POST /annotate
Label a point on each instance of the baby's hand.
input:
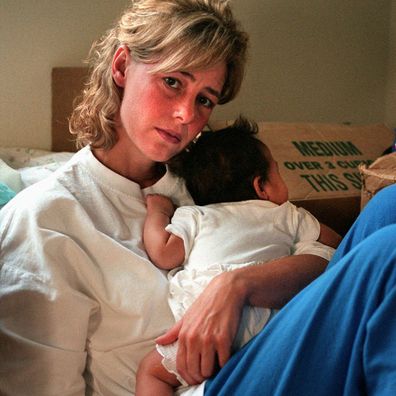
(160, 203)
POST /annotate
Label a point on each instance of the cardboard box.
(381, 173)
(320, 164)
(66, 84)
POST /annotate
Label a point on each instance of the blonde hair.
(173, 35)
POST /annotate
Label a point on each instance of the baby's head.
(230, 165)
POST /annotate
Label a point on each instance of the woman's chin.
(164, 156)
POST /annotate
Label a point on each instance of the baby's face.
(275, 182)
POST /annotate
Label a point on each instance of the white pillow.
(10, 177)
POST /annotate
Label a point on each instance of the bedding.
(21, 167)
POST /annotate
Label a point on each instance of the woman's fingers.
(171, 335)
(188, 362)
(208, 330)
(208, 361)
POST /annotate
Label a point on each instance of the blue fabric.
(6, 194)
(338, 336)
(379, 212)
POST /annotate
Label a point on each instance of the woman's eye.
(206, 102)
(172, 82)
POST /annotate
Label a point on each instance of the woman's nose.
(185, 110)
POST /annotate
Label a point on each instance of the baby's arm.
(329, 237)
(165, 250)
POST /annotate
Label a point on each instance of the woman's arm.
(165, 250)
(207, 330)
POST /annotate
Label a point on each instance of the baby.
(242, 217)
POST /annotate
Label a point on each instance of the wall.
(37, 35)
(316, 60)
(310, 60)
(390, 101)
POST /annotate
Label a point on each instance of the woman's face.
(162, 112)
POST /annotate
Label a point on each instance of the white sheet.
(22, 166)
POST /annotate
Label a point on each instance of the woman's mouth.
(169, 136)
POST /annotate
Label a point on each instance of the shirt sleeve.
(184, 224)
(307, 234)
(39, 355)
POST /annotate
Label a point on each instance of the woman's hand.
(207, 329)
(209, 326)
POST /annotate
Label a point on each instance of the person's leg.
(153, 379)
(336, 337)
(379, 212)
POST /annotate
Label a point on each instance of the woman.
(80, 303)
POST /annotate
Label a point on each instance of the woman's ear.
(118, 66)
(260, 188)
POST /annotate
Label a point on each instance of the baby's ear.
(260, 187)
(118, 65)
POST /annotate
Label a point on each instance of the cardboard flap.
(320, 161)
(67, 84)
(381, 173)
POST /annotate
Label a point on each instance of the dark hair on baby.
(221, 165)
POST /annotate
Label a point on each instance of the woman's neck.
(144, 173)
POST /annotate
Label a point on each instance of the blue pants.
(337, 336)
